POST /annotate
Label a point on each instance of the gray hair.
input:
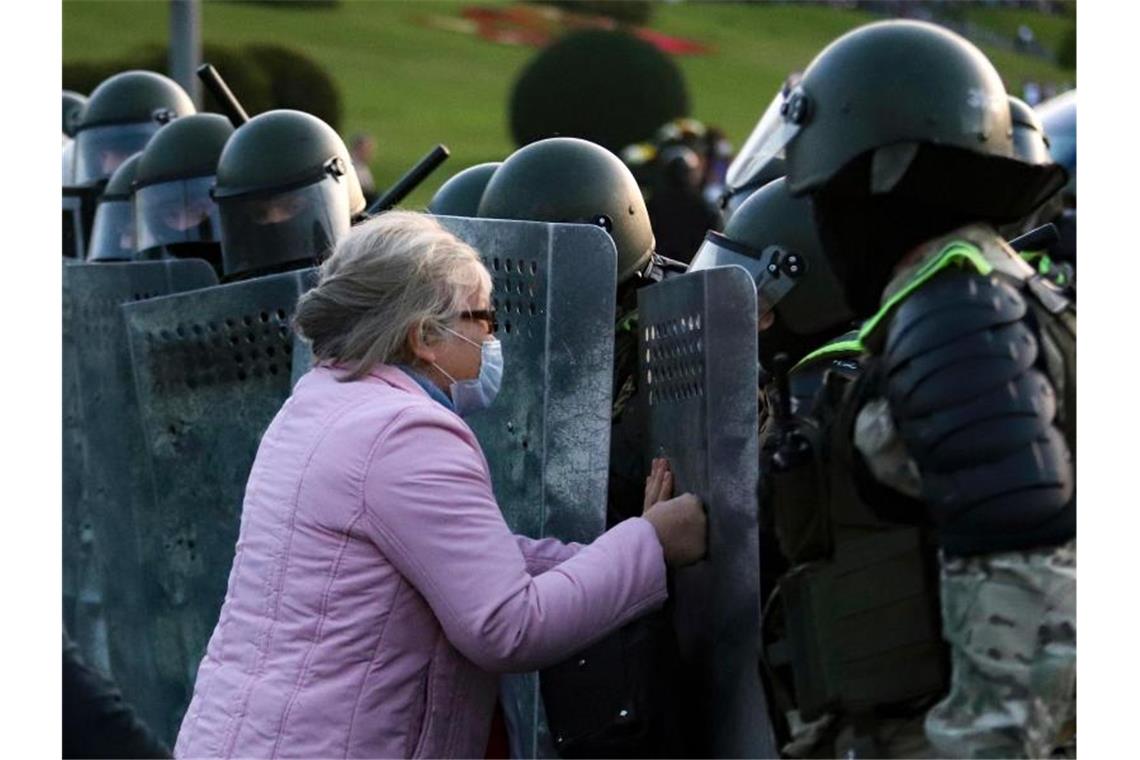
(398, 271)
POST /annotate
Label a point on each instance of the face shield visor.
(113, 234)
(100, 150)
(775, 270)
(179, 211)
(270, 230)
(778, 126)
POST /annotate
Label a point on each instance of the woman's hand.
(659, 484)
(681, 524)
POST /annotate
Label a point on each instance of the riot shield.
(699, 370)
(101, 559)
(211, 369)
(75, 554)
(547, 435)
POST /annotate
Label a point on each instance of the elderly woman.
(376, 591)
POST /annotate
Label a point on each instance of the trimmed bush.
(607, 87)
(263, 77)
(297, 81)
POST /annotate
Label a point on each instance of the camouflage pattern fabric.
(1010, 621)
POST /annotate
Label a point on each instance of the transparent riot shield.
(211, 369)
(101, 558)
(547, 435)
(699, 371)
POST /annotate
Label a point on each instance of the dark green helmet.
(119, 119)
(886, 90)
(113, 233)
(773, 236)
(460, 195)
(73, 104)
(565, 179)
(286, 190)
(1030, 143)
(176, 215)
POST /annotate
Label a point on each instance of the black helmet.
(73, 104)
(773, 236)
(565, 179)
(286, 191)
(175, 214)
(901, 130)
(119, 119)
(460, 195)
(885, 90)
(113, 234)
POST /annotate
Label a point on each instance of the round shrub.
(297, 81)
(607, 87)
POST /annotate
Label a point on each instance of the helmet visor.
(100, 150)
(766, 143)
(180, 211)
(113, 234)
(775, 270)
(268, 230)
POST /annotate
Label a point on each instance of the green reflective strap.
(628, 323)
(959, 253)
(853, 346)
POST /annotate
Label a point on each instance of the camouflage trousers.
(1010, 621)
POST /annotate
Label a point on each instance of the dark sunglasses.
(487, 315)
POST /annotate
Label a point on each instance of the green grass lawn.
(412, 86)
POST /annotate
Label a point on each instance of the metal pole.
(186, 46)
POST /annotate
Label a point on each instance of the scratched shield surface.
(699, 369)
(211, 369)
(547, 436)
(101, 555)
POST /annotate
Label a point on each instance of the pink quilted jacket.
(376, 591)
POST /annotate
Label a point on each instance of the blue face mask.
(472, 395)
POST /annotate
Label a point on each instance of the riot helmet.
(566, 179)
(773, 236)
(73, 104)
(286, 191)
(120, 117)
(901, 131)
(113, 234)
(175, 214)
(460, 195)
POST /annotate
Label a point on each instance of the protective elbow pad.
(976, 414)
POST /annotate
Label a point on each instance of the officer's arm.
(963, 378)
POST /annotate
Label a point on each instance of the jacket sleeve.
(541, 554)
(428, 501)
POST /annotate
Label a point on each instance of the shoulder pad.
(952, 304)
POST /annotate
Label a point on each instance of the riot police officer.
(120, 117)
(286, 191)
(565, 179)
(175, 215)
(570, 180)
(461, 194)
(964, 415)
